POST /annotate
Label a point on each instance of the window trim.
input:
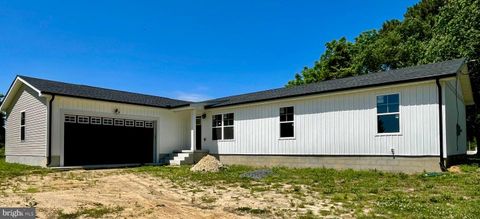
(149, 124)
(95, 120)
(24, 126)
(399, 115)
(129, 123)
(67, 118)
(83, 119)
(222, 127)
(107, 121)
(119, 122)
(139, 124)
(280, 122)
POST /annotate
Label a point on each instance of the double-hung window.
(222, 126)
(22, 126)
(388, 114)
(287, 126)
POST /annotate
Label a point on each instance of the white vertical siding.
(455, 112)
(334, 124)
(172, 127)
(35, 125)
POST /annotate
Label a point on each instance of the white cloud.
(195, 97)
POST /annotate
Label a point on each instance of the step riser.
(177, 159)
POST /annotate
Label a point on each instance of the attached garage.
(90, 140)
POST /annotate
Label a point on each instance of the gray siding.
(35, 130)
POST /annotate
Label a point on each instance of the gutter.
(49, 156)
(440, 123)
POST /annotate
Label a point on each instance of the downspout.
(49, 156)
(440, 123)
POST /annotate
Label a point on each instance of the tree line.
(430, 31)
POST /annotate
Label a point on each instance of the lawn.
(303, 192)
(9, 170)
(362, 193)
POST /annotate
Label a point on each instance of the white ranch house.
(410, 119)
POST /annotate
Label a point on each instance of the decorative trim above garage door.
(95, 120)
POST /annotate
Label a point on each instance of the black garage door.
(101, 140)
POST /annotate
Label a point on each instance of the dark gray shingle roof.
(414, 73)
(75, 90)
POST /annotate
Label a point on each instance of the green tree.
(457, 34)
(431, 31)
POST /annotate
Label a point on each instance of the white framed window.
(129, 123)
(119, 122)
(95, 120)
(22, 125)
(139, 124)
(107, 121)
(83, 119)
(70, 119)
(149, 124)
(287, 122)
(223, 126)
(388, 113)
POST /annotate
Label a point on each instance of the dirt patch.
(133, 195)
(120, 193)
(207, 164)
(454, 169)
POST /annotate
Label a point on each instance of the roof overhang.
(14, 88)
(466, 85)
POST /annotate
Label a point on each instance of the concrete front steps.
(183, 157)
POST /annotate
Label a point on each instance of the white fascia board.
(11, 93)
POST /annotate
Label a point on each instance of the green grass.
(395, 195)
(99, 211)
(10, 170)
(252, 210)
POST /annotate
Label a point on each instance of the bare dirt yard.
(120, 193)
(177, 192)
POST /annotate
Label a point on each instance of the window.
(228, 126)
(107, 121)
(119, 122)
(129, 123)
(70, 119)
(95, 120)
(149, 124)
(388, 113)
(217, 127)
(22, 127)
(223, 126)
(139, 124)
(287, 127)
(83, 119)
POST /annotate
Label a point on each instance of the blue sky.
(179, 49)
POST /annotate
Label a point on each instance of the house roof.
(402, 75)
(83, 91)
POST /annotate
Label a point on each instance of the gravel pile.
(207, 164)
(257, 174)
